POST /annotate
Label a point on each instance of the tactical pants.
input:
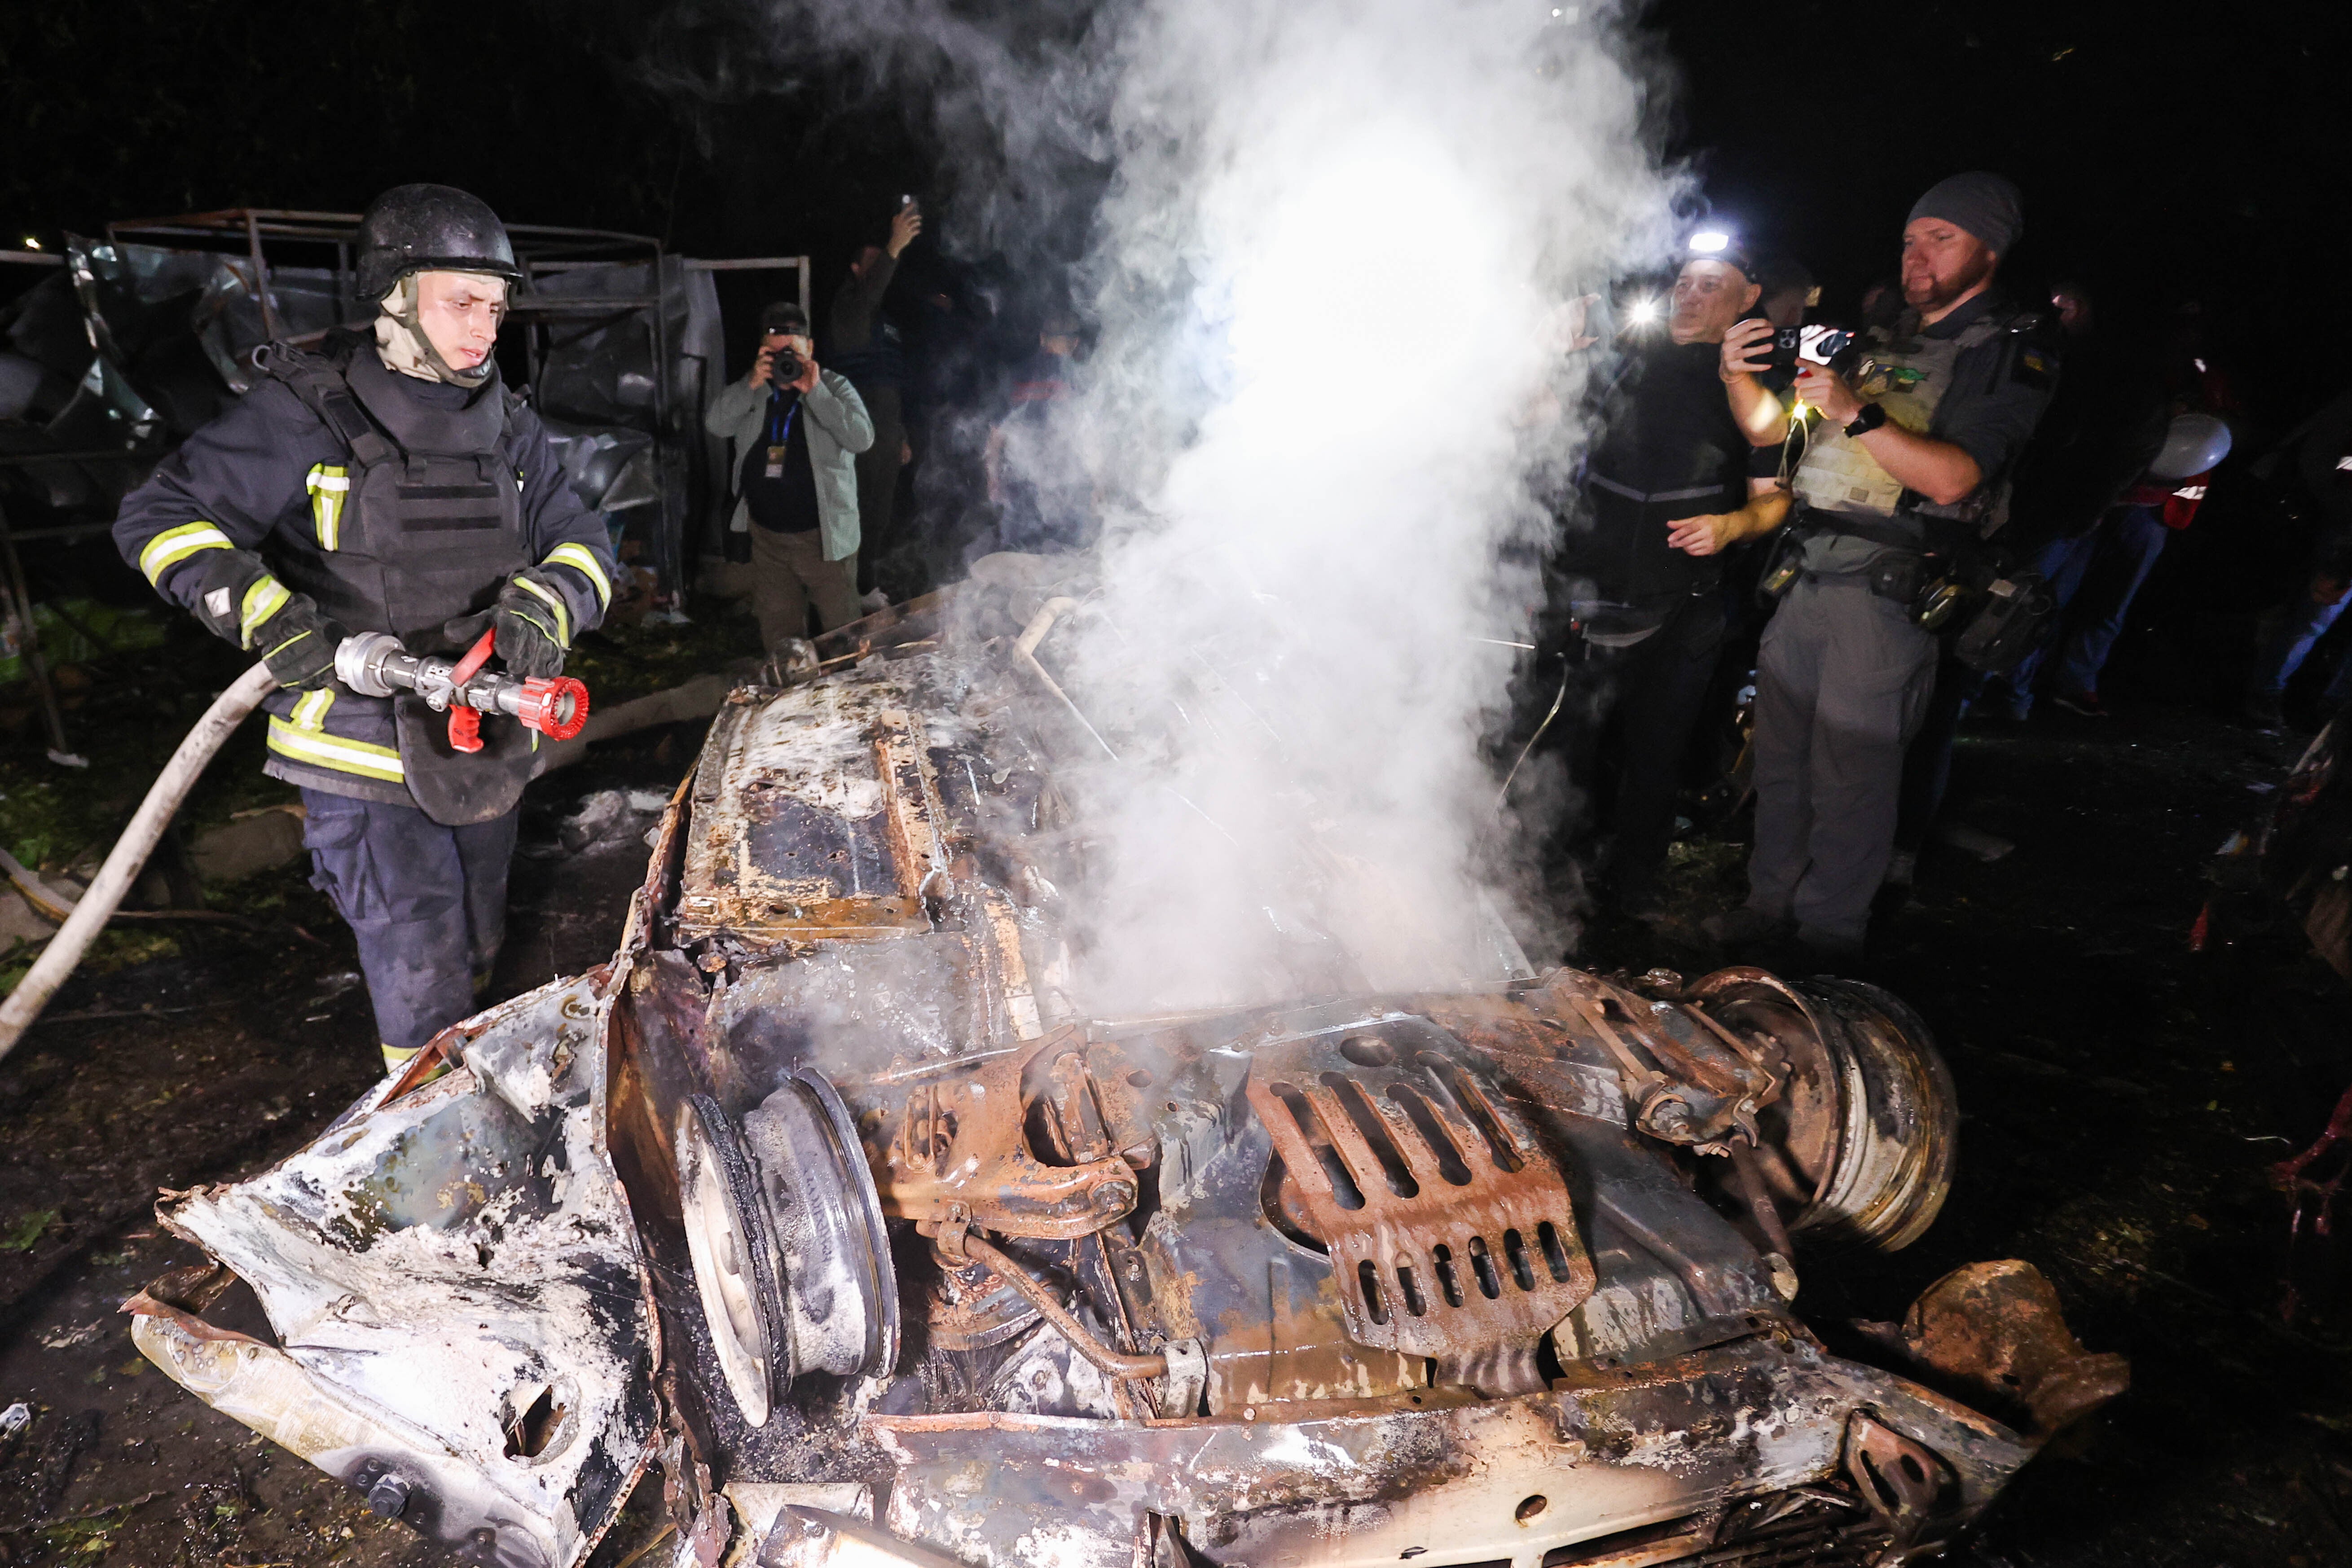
(1841, 682)
(429, 904)
(789, 571)
(1654, 690)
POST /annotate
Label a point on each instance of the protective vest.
(429, 532)
(1907, 376)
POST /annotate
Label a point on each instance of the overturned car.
(826, 1197)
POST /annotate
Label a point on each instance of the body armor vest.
(431, 531)
(1907, 376)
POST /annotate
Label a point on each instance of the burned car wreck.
(825, 1197)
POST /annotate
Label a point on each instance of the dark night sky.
(2194, 150)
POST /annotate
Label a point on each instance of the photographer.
(1675, 480)
(1904, 474)
(796, 432)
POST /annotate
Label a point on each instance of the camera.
(786, 366)
(1832, 346)
(1835, 347)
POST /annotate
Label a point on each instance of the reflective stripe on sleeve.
(310, 708)
(324, 751)
(263, 599)
(554, 602)
(582, 559)
(329, 484)
(174, 545)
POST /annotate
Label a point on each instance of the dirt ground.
(2121, 1099)
(233, 1047)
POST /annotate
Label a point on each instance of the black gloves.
(533, 626)
(298, 644)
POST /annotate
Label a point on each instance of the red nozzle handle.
(475, 657)
(556, 706)
(464, 725)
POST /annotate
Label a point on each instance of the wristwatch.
(1868, 419)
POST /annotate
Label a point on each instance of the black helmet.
(430, 228)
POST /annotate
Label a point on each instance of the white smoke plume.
(1355, 222)
(1327, 390)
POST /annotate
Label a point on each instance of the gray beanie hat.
(1985, 204)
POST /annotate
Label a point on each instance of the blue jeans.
(2299, 631)
(2095, 577)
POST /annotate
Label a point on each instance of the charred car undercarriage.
(826, 1197)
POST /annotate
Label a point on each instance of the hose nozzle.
(557, 706)
(373, 664)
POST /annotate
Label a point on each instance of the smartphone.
(1782, 345)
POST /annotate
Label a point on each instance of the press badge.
(775, 462)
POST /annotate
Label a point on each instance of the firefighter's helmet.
(430, 228)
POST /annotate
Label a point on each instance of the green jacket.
(838, 429)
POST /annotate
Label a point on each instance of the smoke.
(1327, 399)
(1015, 95)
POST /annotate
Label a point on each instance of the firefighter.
(389, 484)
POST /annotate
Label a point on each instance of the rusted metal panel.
(1450, 1233)
(816, 811)
(1508, 1480)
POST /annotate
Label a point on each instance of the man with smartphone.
(865, 346)
(1678, 478)
(795, 432)
(1904, 471)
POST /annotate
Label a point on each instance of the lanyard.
(775, 437)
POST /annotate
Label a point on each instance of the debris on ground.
(260, 839)
(2055, 981)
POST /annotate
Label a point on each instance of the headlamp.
(1719, 245)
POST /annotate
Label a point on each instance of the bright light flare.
(1643, 313)
(1332, 296)
(1354, 350)
(1708, 241)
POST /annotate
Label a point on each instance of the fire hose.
(372, 664)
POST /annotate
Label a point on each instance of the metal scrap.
(1451, 1235)
(1438, 1278)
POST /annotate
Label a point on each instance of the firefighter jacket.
(394, 505)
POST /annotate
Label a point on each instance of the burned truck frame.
(146, 335)
(825, 1196)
